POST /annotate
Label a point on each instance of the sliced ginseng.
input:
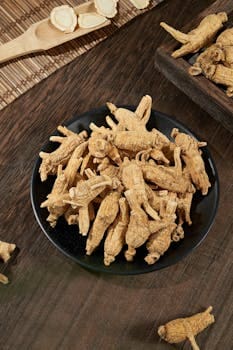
(64, 18)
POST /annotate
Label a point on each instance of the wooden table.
(52, 303)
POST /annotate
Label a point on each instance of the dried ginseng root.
(128, 120)
(90, 20)
(87, 190)
(61, 156)
(153, 153)
(140, 4)
(115, 239)
(3, 279)
(199, 37)
(168, 178)
(71, 216)
(132, 179)
(220, 74)
(159, 243)
(55, 200)
(105, 216)
(106, 8)
(143, 110)
(155, 226)
(64, 18)
(100, 148)
(5, 250)
(181, 329)
(184, 207)
(137, 141)
(138, 229)
(74, 163)
(212, 55)
(226, 37)
(192, 157)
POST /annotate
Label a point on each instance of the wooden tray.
(206, 94)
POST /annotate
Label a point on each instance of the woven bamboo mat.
(19, 75)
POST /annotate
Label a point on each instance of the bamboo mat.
(19, 75)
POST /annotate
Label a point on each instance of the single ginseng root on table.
(125, 185)
(6, 249)
(182, 329)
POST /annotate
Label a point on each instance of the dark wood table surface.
(51, 302)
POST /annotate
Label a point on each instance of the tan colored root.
(166, 178)
(159, 243)
(6, 249)
(155, 226)
(99, 147)
(3, 279)
(156, 198)
(138, 229)
(85, 163)
(220, 74)
(181, 329)
(139, 140)
(115, 239)
(105, 216)
(212, 55)
(71, 216)
(143, 110)
(131, 121)
(155, 154)
(178, 233)
(192, 157)
(87, 190)
(84, 220)
(61, 156)
(226, 37)
(132, 179)
(184, 207)
(55, 200)
(74, 163)
(198, 37)
(168, 208)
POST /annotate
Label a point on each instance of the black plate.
(71, 243)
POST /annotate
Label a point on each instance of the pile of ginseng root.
(124, 184)
(215, 59)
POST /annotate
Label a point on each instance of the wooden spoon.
(43, 35)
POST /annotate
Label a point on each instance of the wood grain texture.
(54, 304)
(211, 97)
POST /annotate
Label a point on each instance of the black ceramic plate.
(71, 243)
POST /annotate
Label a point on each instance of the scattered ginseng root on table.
(6, 249)
(181, 329)
(124, 185)
(215, 60)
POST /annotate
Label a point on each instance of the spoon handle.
(16, 48)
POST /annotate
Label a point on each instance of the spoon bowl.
(43, 35)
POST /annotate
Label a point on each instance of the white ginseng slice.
(64, 18)
(140, 4)
(107, 8)
(90, 20)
